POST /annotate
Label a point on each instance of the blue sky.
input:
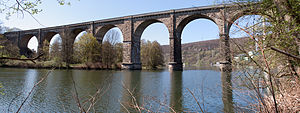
(88, 10)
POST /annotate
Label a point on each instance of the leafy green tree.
(156, 56)
(119, 52)
(151, 54)
(112, 49)
(21, 6)
(1, 89)
(7, 49)
(55, 50)
(55, 54)
(145, 47)
(108, 54)
(45, 50)
(87, 49)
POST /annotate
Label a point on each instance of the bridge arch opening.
(153, 34)
(112, 47)
(79, 36)
(55, 47)
(113, 36)
(51, 45)
(48, 36)
(190, 19)
(76, 53)
(29, 45)
(200, 41)
(105, 31)
(76, 35)
(56, 39)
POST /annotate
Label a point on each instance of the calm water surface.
(154, 90)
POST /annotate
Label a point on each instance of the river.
(157, 91)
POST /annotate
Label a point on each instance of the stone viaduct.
(132, 28)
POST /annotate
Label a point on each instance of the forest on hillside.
(202, 53)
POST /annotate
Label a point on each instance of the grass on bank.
(58, 65)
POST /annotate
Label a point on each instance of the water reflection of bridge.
(161, 90)
(175, 101)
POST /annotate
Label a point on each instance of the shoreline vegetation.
(86, 66)
(51, 65)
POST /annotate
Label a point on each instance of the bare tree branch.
(76, 97)
(35, 85)
(285, 53)
(30, 59)
(24, 9)
(195, 99)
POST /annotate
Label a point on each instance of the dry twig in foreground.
(35, 85)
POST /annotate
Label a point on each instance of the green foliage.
(57, 61)
(55, 54)
(7, 49)
(25, 6)
(151, 54)
(45, 50)
(87, 49)
(111, 52)
(119, 52)
(108, 54)
(23, 57)
(63, 2)
(202, 58)
(1, 89)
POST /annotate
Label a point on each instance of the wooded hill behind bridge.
(203, 53)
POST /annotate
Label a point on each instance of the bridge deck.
(132, 16)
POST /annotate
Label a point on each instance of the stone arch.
(237, 15)
(23, 44)
(48, 36)
(142, 26)
(113, 35)
(100, 32)
(54, 42)
(75, 33)
(25, 40)
(54, 36)
(186, 29)
(189, 19)
(140, 31)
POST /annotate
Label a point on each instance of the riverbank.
(52, 64)
(93, 66)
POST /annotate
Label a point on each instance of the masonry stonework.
(132, 28)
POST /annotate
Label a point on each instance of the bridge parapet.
(52, 29)
(11, 34)
(29, 32)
